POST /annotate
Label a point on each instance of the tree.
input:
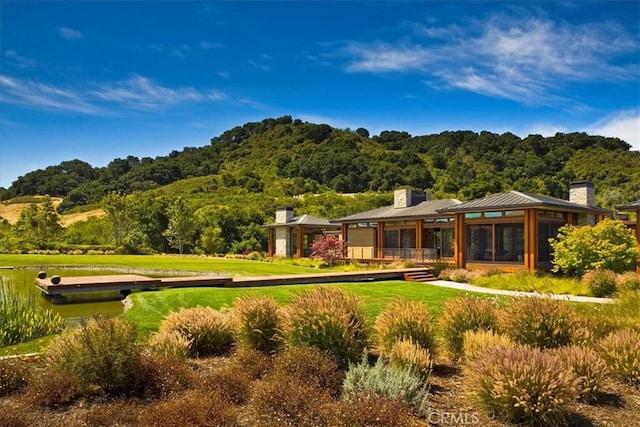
(118, 212)
(329, 249)
(39, 226)
(607, 245)
(182, 225)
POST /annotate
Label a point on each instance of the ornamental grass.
(257, 320)
(169, 344)
(463, 314)
(405, 320)
(406, 354)
(621, 353)
(522, 385)
(477, 342)
(329, 319)
(587, 366)
(209, 331)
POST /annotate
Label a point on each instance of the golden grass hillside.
(11, 209)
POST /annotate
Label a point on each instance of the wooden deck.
(125, 283)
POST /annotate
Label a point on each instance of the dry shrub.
(14, 375)
(253, 363)
(407, 354)
(463, 314)
(101, 352)
(169, 344)
(522, 384)
(162, 376)
(538, 321)
(54, 389)
(312, 366)
(405, 320)
(330, 320)
(257, 321)
(477, 342)
(209, 330)
(587, 366)
(14, 417)
(111, 414)
(628, 281)
(280, 401)
(371, 412)
(459, 275)
(193, 408)
(231, 382)
(602, 283)
(621, 352)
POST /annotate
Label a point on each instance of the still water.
(22, 281)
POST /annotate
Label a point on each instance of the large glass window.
(391, 238)
(447, 242)
(546, 230)
(495, 242)
(479, 242)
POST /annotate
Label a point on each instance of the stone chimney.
(582, 193)
(406, 198)
(284, 215)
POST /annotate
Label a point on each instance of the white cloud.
(624, 125)
(19, 61)
(69, 33)
(384, 58)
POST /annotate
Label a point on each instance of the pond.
(22, 281)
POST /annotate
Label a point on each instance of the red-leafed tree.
(329, 249)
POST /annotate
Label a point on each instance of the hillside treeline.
(285, 157)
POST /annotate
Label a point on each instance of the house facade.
(509, 231)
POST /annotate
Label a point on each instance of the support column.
(272, 242)
(344, 231)
(380, 251)
(531, 239)
(459, 241)
(419, 251)
(300, 240)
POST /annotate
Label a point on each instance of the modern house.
(635, 227)
(509, 231)
(292, 236)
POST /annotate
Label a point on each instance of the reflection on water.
(22, 281)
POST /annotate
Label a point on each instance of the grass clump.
(405, 320)
(602, 283)
(409, 355)
(477, 342)
(459, 275)
(384, 381)
(257, 321)
(231, 382)
(463, 314)
(628, 281)
(621, 353)
(526, 281)
(14, 376)
(209, 331)
(312, 366)
(169, 344)
(522, 385)
(330, 320)
(22, 319)
(102, 352)
(587, 366)
(253, 363)
(538, 321)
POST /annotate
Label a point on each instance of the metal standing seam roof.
(517, 199)
(304, 220)
(421, 210)
(630, 206)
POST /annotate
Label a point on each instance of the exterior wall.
(283, 246)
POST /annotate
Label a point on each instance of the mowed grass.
(233, 267)
(530, 282)
(149, 308)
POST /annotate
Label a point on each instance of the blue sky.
(102, 80)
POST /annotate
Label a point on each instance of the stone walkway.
(471, 288)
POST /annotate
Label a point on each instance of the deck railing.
(422, 255)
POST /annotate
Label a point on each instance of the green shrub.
(628, 281)
(587, 366)
(522, 385)
(209, 330)
(22, 319)
(329, 319)
(257, 322)
(14, 376)
(405, 320)
(384, 381)
(371, 412)
(538, 321)
(312, 366)
(621, 352)
(409, 355)
(101, 352)
(463, 314)
(193, 408)
(602, 283)
(477, 342)
(169, 344)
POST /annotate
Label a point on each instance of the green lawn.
(149, 308)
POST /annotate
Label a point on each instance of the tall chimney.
(405, 198)
(582, 193)
(284, 215)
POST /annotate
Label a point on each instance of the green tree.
(118, 212)
(607, 245)
(182, 225)
(211, 240)
(39, 225)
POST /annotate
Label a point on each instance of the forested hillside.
(285, 157)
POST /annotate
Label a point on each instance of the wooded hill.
(268, 162)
